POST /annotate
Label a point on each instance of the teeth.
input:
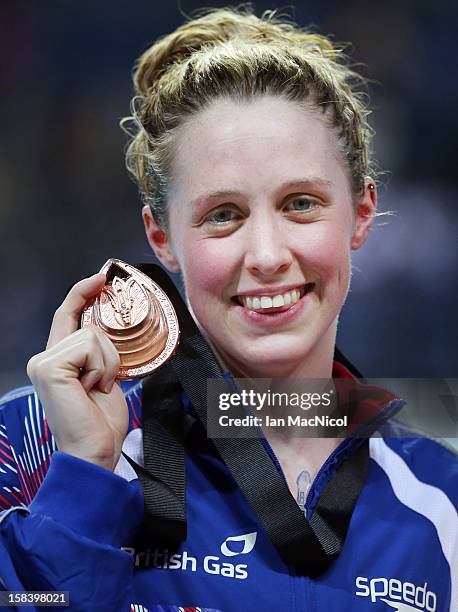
(274, 301)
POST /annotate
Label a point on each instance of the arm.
(69, 537)
(80, 513)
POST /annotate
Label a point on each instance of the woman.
(250, 146)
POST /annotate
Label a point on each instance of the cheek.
(326, 251)
(207, 269)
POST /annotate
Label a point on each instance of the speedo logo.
(398, 595)
(211, 564)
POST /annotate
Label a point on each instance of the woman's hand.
(75, 381)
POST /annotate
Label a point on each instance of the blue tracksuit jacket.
(69, 525)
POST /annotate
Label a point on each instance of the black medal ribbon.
(310, 546)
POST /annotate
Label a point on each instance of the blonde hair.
(232, 53)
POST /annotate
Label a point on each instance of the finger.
(66, 360)
(98, 374)
(90, 356)
(79, 356)
(93, 371)
(111, 361)
(67, 316)
(69, 359)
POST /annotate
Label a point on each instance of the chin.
(268, 363)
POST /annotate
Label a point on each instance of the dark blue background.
(66, 203)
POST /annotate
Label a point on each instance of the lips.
(267, 303)
(275, 317)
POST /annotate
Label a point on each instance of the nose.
(266, 252)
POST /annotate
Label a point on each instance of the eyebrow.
(306, 183)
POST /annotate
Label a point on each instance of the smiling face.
(262, 221)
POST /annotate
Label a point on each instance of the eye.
(221, 216)
(303, 205)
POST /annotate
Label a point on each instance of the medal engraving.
(137, 316)
(123, 304)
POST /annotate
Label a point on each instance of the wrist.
(100, 458)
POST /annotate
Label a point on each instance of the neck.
(299, 457)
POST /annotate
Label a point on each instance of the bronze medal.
(137, 316)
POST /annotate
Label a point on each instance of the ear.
(159, 241)
(365, 209)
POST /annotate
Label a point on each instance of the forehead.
(232, 144)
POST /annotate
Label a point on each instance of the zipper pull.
(303, 483)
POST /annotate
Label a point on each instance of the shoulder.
(15, 395)
(16, 409)
(23, 419)
(26, 441)
(414, 462)
(22, 399)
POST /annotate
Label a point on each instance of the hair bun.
(213, 27)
